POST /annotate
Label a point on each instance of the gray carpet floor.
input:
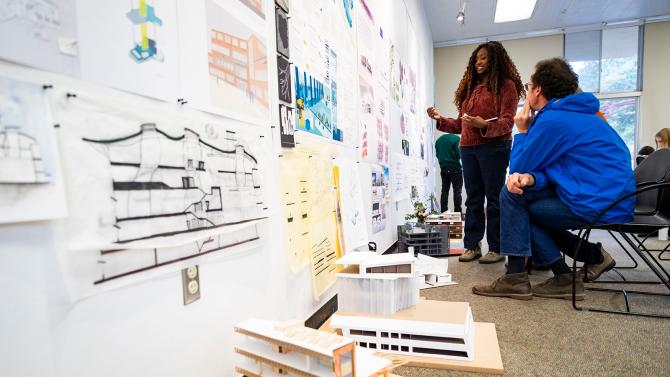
(547, 337)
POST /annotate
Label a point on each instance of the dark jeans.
(484, 169)
(453, 178)
(536, 224)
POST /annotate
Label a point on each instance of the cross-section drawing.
(165, 185)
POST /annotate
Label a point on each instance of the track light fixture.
(460, 17)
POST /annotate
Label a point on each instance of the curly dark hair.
(500, 68)
(556, 78)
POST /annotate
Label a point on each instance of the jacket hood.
(580, 103)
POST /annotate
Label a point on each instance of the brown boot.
(491, 257)
(471, 254)
(593, 271)
(516, 286)
(560, 286)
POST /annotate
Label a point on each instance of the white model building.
(274, 349)
(380, 284)
(433, 270)
(437, 329)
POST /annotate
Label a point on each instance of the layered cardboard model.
(274, 349)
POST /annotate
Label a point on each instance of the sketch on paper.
(165, 184)
(145, 24)
(287, 126)
(380, 185)
(348, 6)
(295, 198)
(313, 110)
(238, 64)
(367, 116)
(412, 91)
(256, 6)
(30, 188)
(283, 4)
(284, 79)
(394, 86)
(350, 200)
(282, 33)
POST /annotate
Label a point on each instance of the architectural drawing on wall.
(313, 111)
(348, 6)
(32, 31)
(295, 204)
(165, 185)
(367, 115)
(30, 187)
(20, 157)
(283, 4)
(283, 46)
(412, 91)
(380, 185)
(238, 64)
(354, 231)
(382, 128)
(286, 126)
(145, 25)
(284, 79)
(256, 6)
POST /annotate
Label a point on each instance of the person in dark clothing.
(486, 98)
(449, 156)
(643, 153)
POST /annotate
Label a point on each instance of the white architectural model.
(372, 283)
(431, 329)
(20, 158)
(272, 349)
(433, 270)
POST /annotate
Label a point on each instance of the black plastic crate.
(426, 239)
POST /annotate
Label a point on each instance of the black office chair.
(652, 213)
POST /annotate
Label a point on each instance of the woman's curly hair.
(500, 68)
(555, 77)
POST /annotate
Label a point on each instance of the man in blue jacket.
(567, 164)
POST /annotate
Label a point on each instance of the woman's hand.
(433, 113)
(475, 121)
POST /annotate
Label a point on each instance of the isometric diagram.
(42, 13)
(20, 158)
(164, 185)
(145, 26)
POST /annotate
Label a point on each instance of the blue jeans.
(484, 168)
(536, 224)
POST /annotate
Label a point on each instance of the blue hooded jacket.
(568, 146)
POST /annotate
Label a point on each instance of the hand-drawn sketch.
(238, 63)
(286, 126)
(380, 195)
(283, 46)
(145, 23)
(30, 184)
(170, 184)
(354, 231)
(284, 79)
(40, 33)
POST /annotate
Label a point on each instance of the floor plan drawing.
(170, 184)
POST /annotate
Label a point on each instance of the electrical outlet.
(190, 279)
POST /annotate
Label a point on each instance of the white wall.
(144, 329)
(655, 82)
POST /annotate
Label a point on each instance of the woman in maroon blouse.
(486, 99)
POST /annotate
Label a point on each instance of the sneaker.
(491, 257)
(471, 254)
(516, 286)
(560, 286)
(593, 271)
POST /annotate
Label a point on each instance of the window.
(201, 165)
(608, 64)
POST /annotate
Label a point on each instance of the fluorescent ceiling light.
(514, 10)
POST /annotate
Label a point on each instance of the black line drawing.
(283, 45)
(165, 185)
(20, 158)
(284, 79)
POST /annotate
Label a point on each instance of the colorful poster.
(380, 196)
(31, 187)
(313, 108)
(237, 61)
(130, 45)
(153, 187)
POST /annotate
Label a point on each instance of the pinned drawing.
(30, 185)
(295, 199)
(284, 79)
(282, 33)
(145, 24)
(350, 198)
(286, 126)
(257, 6)
(313, 111)
(380, 195)
(238, 64)
(283, 4)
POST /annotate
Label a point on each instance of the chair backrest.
(654, 169)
